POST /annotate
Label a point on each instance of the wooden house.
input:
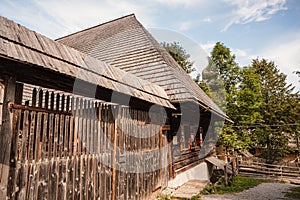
(124, 43)
(78, 119)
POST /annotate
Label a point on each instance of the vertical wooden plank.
(51, 120)
(22, 181)
(116, 111)
(76, 124)
(6, 134)
(84, 137)
(77, 175)
(34, 179)
(67, 136)
(103, 178)
(88, 128)
(43, 180)
(25, 133)
(45, 137)
(82, 177)
(55, 135)
(91, 175)
(87, 176)
(31, 138)
(62, 179)
(38, 144)
(61, 135)
(70, 178)
(53, 179)
(80, 130)
(98, 167)
(71, 134)
(14, 154)
(100, 129)
(96, 176)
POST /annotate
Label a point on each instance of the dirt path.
(266, 191)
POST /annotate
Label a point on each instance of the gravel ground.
(265, 191)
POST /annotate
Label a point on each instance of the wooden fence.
(254, 168)
(231, 169)
(72, 148)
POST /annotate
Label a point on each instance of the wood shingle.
(126, 44)
(39, 52)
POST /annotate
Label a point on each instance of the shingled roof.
(24, 46)
(126, 44)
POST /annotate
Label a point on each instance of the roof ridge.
(96, 26)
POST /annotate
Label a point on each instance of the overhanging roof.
(37, 51)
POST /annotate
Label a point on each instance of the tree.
(183, 59)
(180, 56)
(228, 69)
(212, 78)
(249, 98)
(275, 110)
(202, 84)
(222, 75)
(249, 101)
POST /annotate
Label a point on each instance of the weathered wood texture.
(124, 43)
(248, 167)
(6, 134)
(37, 52)
(73, 148)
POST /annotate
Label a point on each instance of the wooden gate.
(73, 148)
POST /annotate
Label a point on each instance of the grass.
(238, 184)
(294, 193)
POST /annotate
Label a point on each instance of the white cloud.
(185, 25)
(239, 52)
(254, 10)
(207, 19)
(208, 46)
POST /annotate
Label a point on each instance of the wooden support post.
(226, 175)
(6, 134)
(237, 165)
(114, 154)
(233, 167)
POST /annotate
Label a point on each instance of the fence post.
(225, 175)
(237, 165)
(6, 134)
(233, 167)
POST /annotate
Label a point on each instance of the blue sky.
(250, 28)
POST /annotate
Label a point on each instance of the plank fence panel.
(66, 147)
